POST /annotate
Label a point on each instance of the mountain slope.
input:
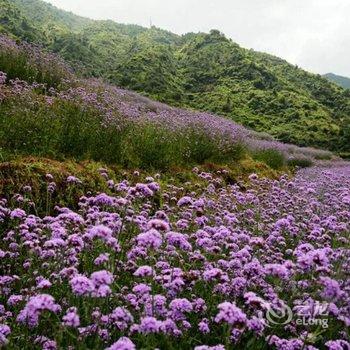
(344, 82)
(46, 15)
(261, 91)
(200, 71)
(13, 23)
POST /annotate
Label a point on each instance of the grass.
(301, 162)
(273, 158)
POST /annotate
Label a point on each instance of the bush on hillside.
(299, 161)
(272, 157)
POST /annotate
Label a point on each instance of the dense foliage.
(201, 71)
(12, 22)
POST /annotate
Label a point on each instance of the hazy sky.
(315, 34)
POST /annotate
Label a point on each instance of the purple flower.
(257, 325)
(277, 270)
(5, 330)
(203, 326)
(51, 187)
(73, 180)
(121, 318)
(81, 285)
(17, 214)
(101, 259)
(144, 271)
(179, 307)
(141, 288)
(102, 291)
(184, 201)
(27, 189)
(151, 239)
(337, 345)
(3, 78)
(99, 231)
(123, 343)
(44, 284)
(144, 190)
(71, 318)
(231, 314)
(159, 225)
(102, 277)
(49, 345)
(255, 301)
(14, 300)
(211, 274)
(178, 240)
(35, 306)
(331, 290)
(149, 325)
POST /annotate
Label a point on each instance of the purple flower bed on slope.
(96, 108)
(217, 267)
(31, 63)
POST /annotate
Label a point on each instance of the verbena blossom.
(5, 330)
(71, 318)
(231, 314)
(35, 306)
(81, 285)
(122, 343)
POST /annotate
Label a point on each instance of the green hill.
(344, 82)
(13, 23)
(204, 71)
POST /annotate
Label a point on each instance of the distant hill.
(338, 79)
(203, 71)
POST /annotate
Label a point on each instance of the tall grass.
(68, 129)
(299, 161)
(272, 157)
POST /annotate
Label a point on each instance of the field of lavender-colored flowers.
(208, 266)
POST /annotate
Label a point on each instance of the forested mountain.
(338, 79)
(204, 71)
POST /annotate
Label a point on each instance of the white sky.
(315, 34)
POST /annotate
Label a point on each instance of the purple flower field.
(154, 266)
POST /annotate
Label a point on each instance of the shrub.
(299, 161)
(272, 157)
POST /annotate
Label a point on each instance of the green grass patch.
(301, 162)
(273, 158)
